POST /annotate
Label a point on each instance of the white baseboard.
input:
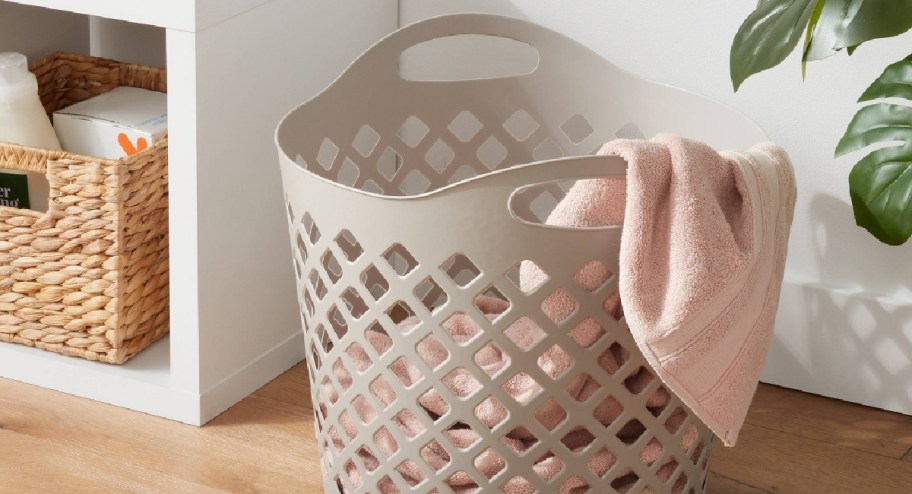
(252, 377)
(843, 343)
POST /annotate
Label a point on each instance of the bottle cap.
(15, 78)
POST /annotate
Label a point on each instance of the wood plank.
(29, 464)
(783, 463)
(240, 457)
(719, 484)
(831, 421)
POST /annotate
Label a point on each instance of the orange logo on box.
(128, 147)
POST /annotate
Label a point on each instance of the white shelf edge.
(142, 384)
(181, 15)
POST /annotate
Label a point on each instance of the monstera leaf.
(767, 36)
(881, 183)
(845, 24)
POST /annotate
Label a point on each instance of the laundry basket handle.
(383, 57)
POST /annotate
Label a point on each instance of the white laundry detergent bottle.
(23, 121)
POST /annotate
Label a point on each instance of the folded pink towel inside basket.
(701, 263)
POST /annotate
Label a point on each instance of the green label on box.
(14, 190)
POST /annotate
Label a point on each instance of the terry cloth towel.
(490, 413)
(701, 263)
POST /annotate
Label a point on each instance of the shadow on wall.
(846, 342)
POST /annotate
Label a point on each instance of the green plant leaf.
(880, 184)
(849, 23)
(808, 36)
(767, 36)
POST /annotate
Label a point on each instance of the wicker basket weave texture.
(89, 278)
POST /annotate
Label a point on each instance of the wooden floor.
(54, 443)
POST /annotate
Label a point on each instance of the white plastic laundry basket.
(406, 201)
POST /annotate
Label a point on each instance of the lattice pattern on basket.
(422, 368)
(419, 158)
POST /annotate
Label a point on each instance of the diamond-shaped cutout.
(435, 455)
(461, 328)
(559, 306)
(489, 463)
(542, 205)
(406, 372)
(493, 301)
(354, 474)
(460, 269)
(659, 400)
(378, 338)
(524, 333)
(601, 462)
(675, 420)
(332, 267)
(337, 440)
(398, 312)
(630, 131)
(578, 439)
(386, 484)
(613, 358)
(432, 351)
(491, 359)
(326, 155)
(354, 303)
(464, 172)
(349, 245)
(651, 452)
(631, 431)
(667, 470)
(389, 164)
(625, 482)
(413, 131)
(521, 125)
(518, 485)
(547, 150)
(520, 439)
(592, 276)
(461, 382)
(400, 259)
(461, 436)
(434, 404)
(385, 441)
(577, 128)
(330, 391)
(311, 231)
(549, 466)
(348, 173)
(365, 411)
(375, 283)
(527, 276)
(698, 451)
(409, 424)
(439, 156)
(373, 187)
(342, 375)
(582, 387)
(411, 473)
(382, 390)
(308, 303)
(637, 381)
(432, 297)
(302, 247)
(369, 458)
(463, 478)
(492, 153)
(366, 140)
(491, 412)
(522, 387)
(337, 322)
(555, 362)
(347, 424)
(465, 126)
(414, 183)
(321, 339)
(316, 282)
(608, 411)
(550, 414)
(587, 333)
(574, 484)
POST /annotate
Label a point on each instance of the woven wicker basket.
(89, 278)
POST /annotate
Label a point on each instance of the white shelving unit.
(234, 68)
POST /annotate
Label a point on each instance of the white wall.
(844, 328)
